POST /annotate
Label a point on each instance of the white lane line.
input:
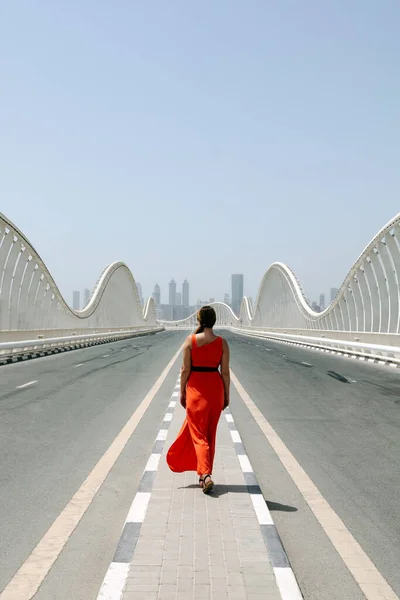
(80, 365)
(235, 437)
(137, 511)
(172, 404)
(229, 418)
(306, 364)
(31, 574)
(105, 355)
(261, 509)
(153, 462)
(245, 463)
(287, 583)
(175, 395)
(25, 385)
(161, 437)
(168, 417)
(114, 583)
(356, 560)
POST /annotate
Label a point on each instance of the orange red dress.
(194, 448)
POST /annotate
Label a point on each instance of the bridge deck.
(180, 544)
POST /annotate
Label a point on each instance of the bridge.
(307, 468)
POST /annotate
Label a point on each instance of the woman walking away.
(204, 394)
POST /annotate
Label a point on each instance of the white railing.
(367, 302)
(31, 300)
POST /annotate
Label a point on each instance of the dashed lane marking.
(115, 580)
(27, 580)
(285, 579)
(369, 579)
(25, 385)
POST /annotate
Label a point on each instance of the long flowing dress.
(194, 448)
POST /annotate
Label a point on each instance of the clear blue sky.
(197, 139)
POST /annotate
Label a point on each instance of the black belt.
(204, 369)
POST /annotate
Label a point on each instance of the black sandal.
(201, 482)
(207, 487)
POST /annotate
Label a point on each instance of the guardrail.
(18, 349)
(353, 345)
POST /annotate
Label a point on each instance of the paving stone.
(197, 547)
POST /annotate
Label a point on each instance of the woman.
(204, 394)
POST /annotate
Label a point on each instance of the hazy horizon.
(197, 141)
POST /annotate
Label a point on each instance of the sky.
(200, 139)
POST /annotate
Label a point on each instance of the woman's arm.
(186, 368)
(225, 372)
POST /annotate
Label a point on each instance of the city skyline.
(80, 299)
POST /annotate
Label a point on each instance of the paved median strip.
(285, 578)
(116, 576)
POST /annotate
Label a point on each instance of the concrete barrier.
(17, 349)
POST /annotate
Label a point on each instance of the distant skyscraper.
(237, 292)
(172, 293)
(76, 302)
(322, 301)
(185, 293)
(139, 289)
(178, 298)
(226, 299)
(157, 295)
(211, 300)
(334, 292)
(315, 307)
(86, 296)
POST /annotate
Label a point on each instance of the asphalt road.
(345, 436)
(53, 432)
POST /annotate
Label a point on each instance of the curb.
(114, 582)
(23, 357)
(284, 575)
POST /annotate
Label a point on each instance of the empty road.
(339, 418)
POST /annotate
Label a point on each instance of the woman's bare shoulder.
(224, 343)
(188, 342)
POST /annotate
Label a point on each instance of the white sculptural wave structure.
(30, 299)
(368, 300)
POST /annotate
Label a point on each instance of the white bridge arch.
(225, 318)
(368, 300)
(30, 299)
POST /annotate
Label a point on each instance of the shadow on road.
(220, 490)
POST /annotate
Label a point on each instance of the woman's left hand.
(183, 399)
